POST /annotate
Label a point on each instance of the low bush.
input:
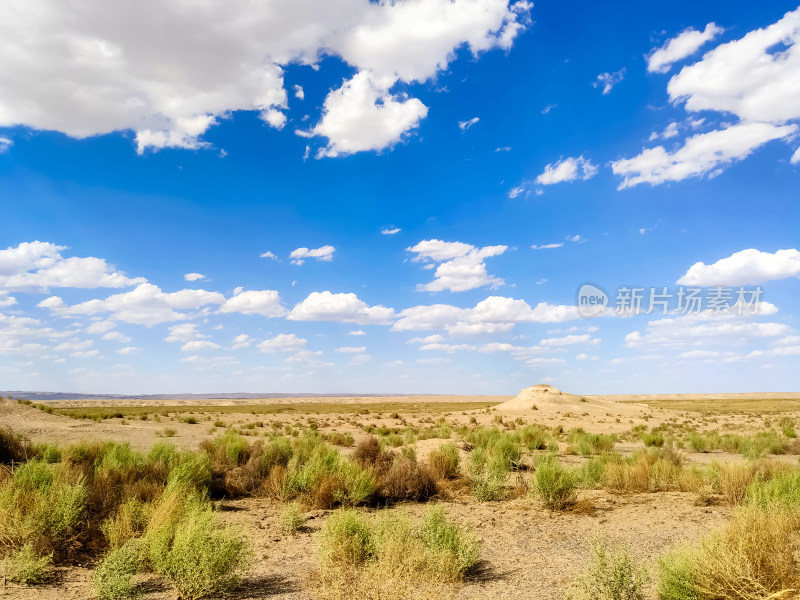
(26, 566)
(292, 518)
(444, 462)
(612, 575)
(113, 578)
(13, 447)
(554, 485)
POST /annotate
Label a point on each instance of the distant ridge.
(44, 396)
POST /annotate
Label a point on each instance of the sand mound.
(552, 403)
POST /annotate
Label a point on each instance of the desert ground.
(527, 550)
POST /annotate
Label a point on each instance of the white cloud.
(305, 357)
(299, 93)
(266, 303)
(670, 131)
(143, 67)
(116, 336)
(283, 342)
(608, 80)
(464, 125)
(795, 157)
(129, 350)
(390, 230)
(461, 265)
(360, 359)
(36, 266)
(700, 154)
(782, 351)
(100, 327)
(342, 308)
(567, 169)
(242, 341)
(449, 348)
(516, 191)
(324, 253)
(569, 340)
(363, 115)
(684, 44)
(144, 305)
(492, 315)
(754, 78)
(574, 238)
(196, 345)
(185, 332)
(745, 267)
(352, 349)
(547, 246)
(706, 328)
(5, 144)
(357, 332)
(194, 276)
(268, 254)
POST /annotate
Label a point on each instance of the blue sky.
(404, 198)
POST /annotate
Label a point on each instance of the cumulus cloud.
(37, 266)
(795, 157)
(196, 345)
(129, 350)
(144, 305)
(324, 253)
(461, 266)
(143, 67)
(283, 342)
(608, 80)
(492, 315)
(6, 300)
(242, 341)
(342, 308)
(567, 169)
(268, 254)
(194, 276)
(684, 44)
(745, 267)
(266, 303)
(754, 78)
(185, 332)
(116, 336)
(362, 115)
(700, 154)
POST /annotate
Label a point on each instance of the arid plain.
(649, 473)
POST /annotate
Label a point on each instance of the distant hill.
(44, 396)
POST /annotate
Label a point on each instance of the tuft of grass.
(612, 575)
(391, 556)
(14, 448)
(554, 485)
(444, 462)
(26, 566)
(292, 518)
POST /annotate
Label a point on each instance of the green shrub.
(444, 461)
(292, 518)
(26, 566)
(612, 575)
(451, 550)
(653, 439)
(781, 490)
(553, 484)
(199, 557)
(113, 577)
(346, 540)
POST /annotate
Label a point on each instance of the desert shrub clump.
(554, 485)
(612, 575)
(391, 556)
(755, 556)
